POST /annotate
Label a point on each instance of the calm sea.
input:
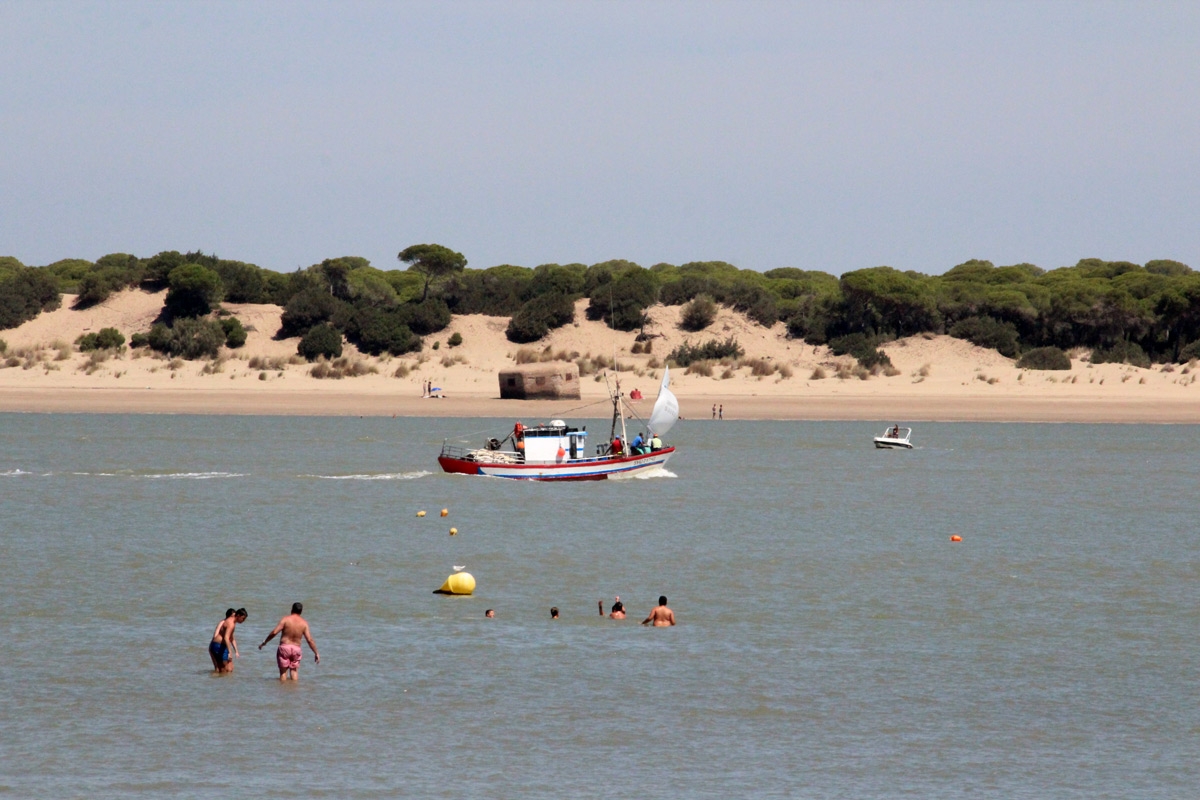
(832, 642)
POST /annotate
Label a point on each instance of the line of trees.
(1122, 311)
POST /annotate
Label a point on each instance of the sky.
(826, 136)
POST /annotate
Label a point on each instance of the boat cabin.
(554, 443)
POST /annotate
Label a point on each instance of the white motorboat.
(894, 438)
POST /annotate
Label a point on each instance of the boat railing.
(456, 451)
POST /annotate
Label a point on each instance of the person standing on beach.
(662, 616)
(721, 412)
(714, 410)
(292, 628)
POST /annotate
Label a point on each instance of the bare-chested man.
(662, 616)
(223, 647)
(292, 628)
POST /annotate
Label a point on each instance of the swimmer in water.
(661, 617)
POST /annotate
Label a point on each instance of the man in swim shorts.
(292, 629)
(662, 616)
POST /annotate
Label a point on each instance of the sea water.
(832, 641)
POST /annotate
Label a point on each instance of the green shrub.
(1121, 353)
(377, 331)
(104, 339)
(698, 313)
(308, 308)
(539, 316)
(158, 267)
(987, 332)
(3, 346)
(197, 338)
(321, 340)
(243, 283)
(1044, 358)
(862, 347)
(26, 293)
(194, 291)
(111, 273)
(455, 340)
(188, 338)
(139, 340)
(428, 317)
(1189, 352)
(235, 332)
(686, 354)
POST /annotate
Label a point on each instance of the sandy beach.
(937, 377)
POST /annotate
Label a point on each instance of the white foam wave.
(14, 473)
(193, 476)
(655, 472)
(378, 476)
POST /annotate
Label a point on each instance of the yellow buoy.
(454, 531)
(420, 513)
(445, 512)
(458, 583)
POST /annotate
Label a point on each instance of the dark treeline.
(1122, 311)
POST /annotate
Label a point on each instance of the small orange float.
(956, 538)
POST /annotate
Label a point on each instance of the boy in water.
(224, 643)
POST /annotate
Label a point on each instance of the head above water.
(241, 614)
(662, 599)
(553, 612)
(297, 608)
(489, 613)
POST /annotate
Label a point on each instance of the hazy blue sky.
(830, 136)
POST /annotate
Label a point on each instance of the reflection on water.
(832, 641)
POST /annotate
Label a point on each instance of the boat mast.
(616, 397)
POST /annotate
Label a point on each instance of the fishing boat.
(894, 438)
(556, 451)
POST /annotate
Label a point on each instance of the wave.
(656, 472)
(14, 473)
(194, 476)
(375, 476)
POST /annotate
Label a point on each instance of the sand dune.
(939, 378)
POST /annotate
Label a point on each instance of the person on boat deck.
(616, 446)
(895, 431)
(655, 443)
(638, 441)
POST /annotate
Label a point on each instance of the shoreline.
(882, 407)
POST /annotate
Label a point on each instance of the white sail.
(666, 407)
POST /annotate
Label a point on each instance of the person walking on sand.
(721, 412)
(714, 410)
(662, 616)
(292, 629)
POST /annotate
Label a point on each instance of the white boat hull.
(589, 469)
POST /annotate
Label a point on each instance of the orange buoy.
(445, 512)
(956, 538)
